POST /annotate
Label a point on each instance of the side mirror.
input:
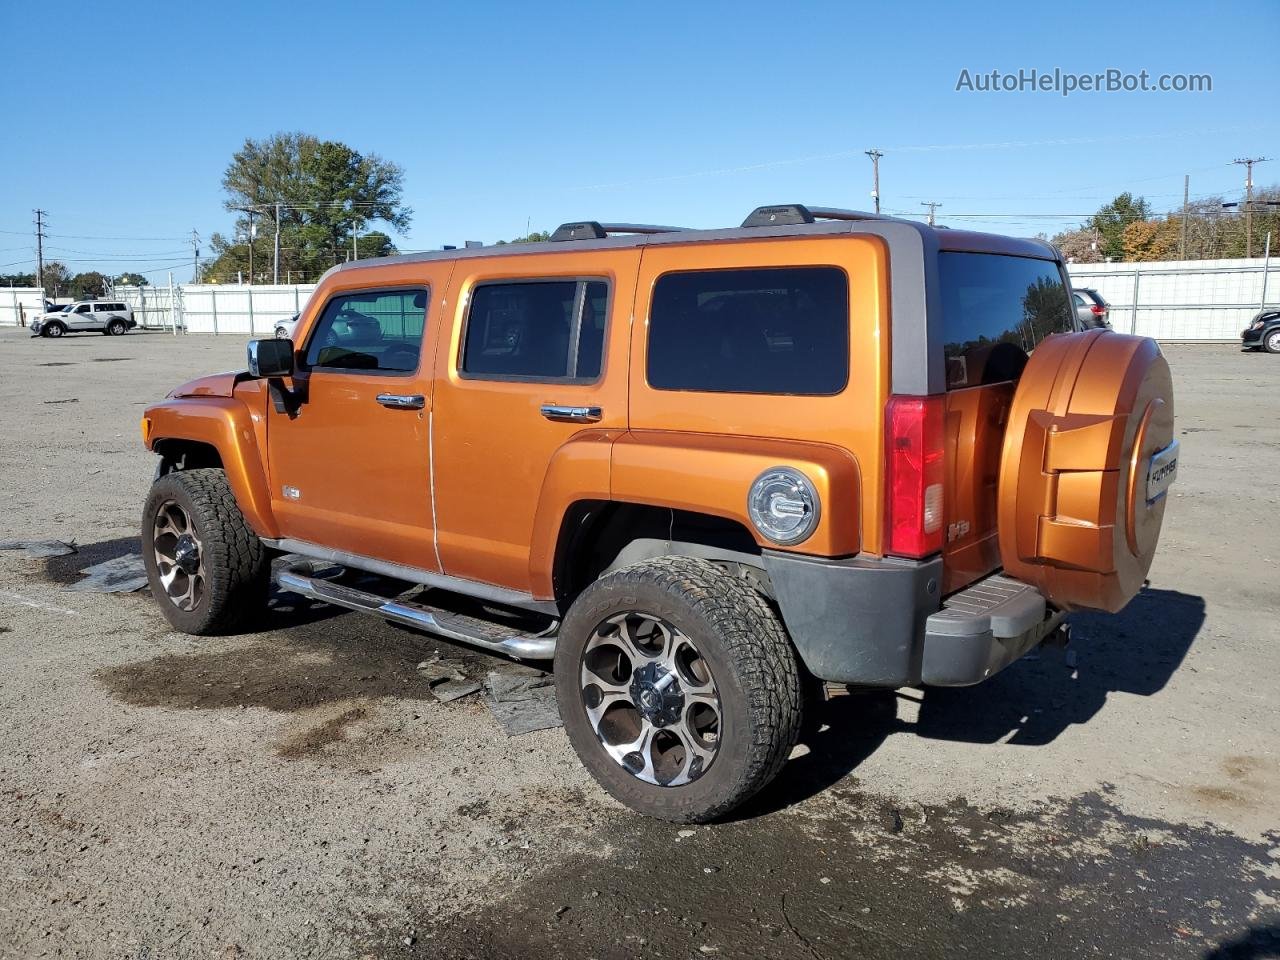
(270, 358)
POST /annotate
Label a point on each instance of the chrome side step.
(298, 578)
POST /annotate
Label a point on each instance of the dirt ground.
(299, 792)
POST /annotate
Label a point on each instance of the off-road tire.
(237, 565)
(1271, 342)
(750, 657)
(54, 330)
(116, 328)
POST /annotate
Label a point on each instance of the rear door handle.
(402, 401)
(571, 414)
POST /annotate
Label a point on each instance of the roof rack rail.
(788, 213)
(594, 230)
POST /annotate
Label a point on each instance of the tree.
(328, 192)
(17, 279)
(1112, 218)
(1146, 240)
(131, 280)
(89, 284)
(1078, 246)
(536, 237)
(56, 278)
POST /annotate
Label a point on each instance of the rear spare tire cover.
(1080, 506)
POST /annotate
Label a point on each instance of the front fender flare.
(225, 424)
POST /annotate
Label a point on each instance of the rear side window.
(995, 310)
(370, 330)
(536, 330)
(779, 330)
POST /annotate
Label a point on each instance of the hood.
(214, 385)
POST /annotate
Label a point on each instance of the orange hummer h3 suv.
(700, 470)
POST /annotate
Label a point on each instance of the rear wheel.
(1272, 342)
(116, 328)
(208, 571)
(54, 330)
(678, 688)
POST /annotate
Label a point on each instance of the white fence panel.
(246, 310)
(19, 304)
(1181, 300)
(152, 307)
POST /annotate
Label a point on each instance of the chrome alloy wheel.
(179, 556)
(651, 699)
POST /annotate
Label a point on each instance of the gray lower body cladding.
(881, 621)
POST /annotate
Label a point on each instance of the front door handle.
(571, 414)
(402, 401)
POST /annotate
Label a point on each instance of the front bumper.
(1251, 338)
(880, 621)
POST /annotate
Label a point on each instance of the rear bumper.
(882, 622)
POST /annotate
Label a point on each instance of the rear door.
(537, 356)
(996, 309)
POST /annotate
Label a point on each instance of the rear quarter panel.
(701, 450)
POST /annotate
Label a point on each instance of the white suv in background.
(104, 316)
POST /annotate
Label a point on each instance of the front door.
(350, 452)
(537, 357)
(81, 318)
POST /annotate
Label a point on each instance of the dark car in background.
(1263, 332)
(1091, 308)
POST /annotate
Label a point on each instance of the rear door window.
(770, 330)
(536, 330)
(995, 310)
(377, 330)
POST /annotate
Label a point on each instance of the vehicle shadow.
(1032, 702)
(1029, 704)
(1254, 944)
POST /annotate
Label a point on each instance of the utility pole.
(932, 205)
(40, 215)
(1247, 163)
(195, 257)
(275, 265)
(1186, 203)
(875, 156)
(253, 233)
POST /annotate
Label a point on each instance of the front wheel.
(207, 569)
(1272, 342)
(678, 688)
(54, 330)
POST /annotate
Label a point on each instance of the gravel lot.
(299, 792)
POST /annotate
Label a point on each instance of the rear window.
(778, 330)
(995, 309)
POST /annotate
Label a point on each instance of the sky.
(506, 117)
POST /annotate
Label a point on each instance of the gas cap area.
(1087, 459)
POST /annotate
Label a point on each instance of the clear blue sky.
(121, 117)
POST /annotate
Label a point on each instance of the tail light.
(1097, 310)
(914, 458)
